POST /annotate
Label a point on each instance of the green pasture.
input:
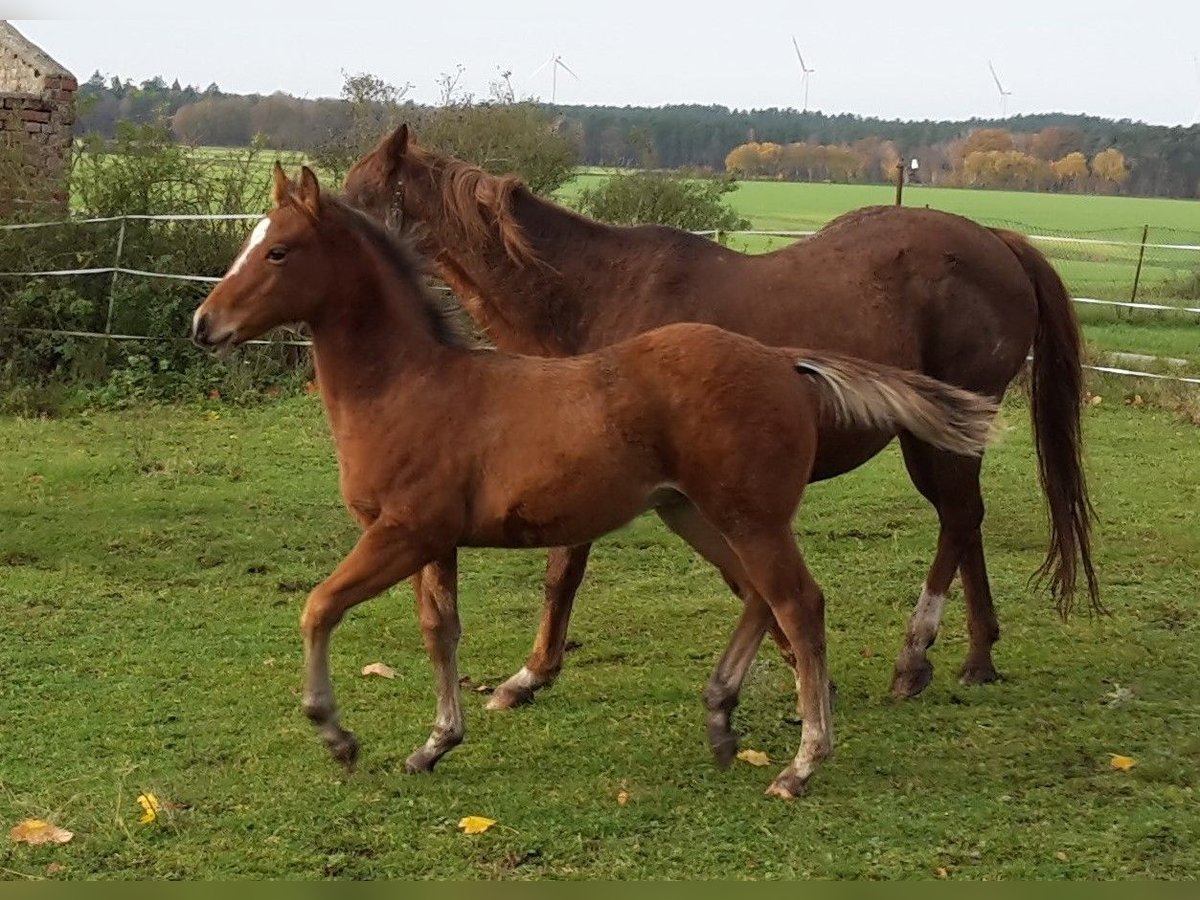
(152, 568)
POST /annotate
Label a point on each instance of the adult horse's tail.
(1056, 396)
(876, 397)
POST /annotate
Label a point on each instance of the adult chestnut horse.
(442, 446)
(914, 288)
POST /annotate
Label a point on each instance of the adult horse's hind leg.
(725, 685)
(951, 484)
(565, 567)
(437, 610)
(383, 556)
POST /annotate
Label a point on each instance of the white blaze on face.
(257, 236)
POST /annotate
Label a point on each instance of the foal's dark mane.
(450, 324)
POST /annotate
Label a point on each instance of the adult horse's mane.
(450, 323)
(479, 201)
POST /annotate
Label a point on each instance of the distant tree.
(1109, 167)
(1071, 172)
(1056, 142)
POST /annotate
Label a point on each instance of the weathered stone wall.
(37, 119)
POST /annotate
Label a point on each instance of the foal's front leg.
(384, 555)
(437, 608)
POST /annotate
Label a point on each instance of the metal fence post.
(112, 284)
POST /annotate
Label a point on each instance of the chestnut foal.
(442, 446)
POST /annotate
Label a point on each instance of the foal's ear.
(310, 192)
(279, 185)
(397, 143)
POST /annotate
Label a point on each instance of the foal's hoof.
(979, 673)
(787, 785)
(510, 697)
(908, 683)
(724, 745)
(344, 750)
(420, 762)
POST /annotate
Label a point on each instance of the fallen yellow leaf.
(39, 831)
(1097, 400)
(1060, 856)
(150, 808)
(380, 669)
(475, 824)
(622, 797)
(1122, 763)
(754, 757)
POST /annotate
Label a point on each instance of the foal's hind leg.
(383, 556)
(951, 484)
(437, 610)
(565, 567)
(724, 687)
(777, 570)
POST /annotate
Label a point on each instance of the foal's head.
(282, 274)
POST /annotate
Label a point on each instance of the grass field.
(152, 568)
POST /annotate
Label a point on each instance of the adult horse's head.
(279, 276)
(376, 183)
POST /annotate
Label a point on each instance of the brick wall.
(37, 119)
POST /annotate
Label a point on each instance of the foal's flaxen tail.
(885, 398)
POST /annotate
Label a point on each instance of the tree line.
(1043, 151)
(1050, 159)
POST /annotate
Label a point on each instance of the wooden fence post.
(1137, 273)
(112, 284)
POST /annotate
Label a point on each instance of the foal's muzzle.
(203, 334)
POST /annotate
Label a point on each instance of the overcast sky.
(1121, 60)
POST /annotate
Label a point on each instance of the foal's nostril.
(200, 330)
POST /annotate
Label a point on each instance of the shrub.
(640, 198)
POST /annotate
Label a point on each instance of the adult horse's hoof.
(787, 785)
(344, 750)
(979, 673)
(908, 683)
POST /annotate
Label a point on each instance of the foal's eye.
(276, 254)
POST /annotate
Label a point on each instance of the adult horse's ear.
(310, 192)
(397, 142)
(279, 185)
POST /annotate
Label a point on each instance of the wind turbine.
(555, 63)
(1196, 63)
(805, 71)
(1004, 95)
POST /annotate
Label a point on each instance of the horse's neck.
(369, 345)
(528, 306)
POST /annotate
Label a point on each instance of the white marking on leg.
(525, 679)
(925, 620)
(257, 236)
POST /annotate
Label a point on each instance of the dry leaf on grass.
(39, 831)
(1122, 763)
(1060, 856)
(475, 824)
(151, 807)
(754, 757)
(381, 669)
